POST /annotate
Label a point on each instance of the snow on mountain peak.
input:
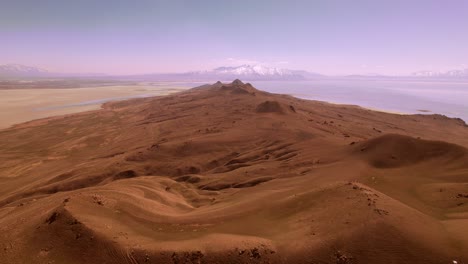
(258, 69)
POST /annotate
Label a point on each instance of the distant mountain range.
(262, 72)
(243, 72)
(443, 74)
(18, 70)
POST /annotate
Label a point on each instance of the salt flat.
(21, 105)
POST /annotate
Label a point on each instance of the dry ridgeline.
(226, 173)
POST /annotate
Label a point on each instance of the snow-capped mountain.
(258, 70)
(463, 73)
(225, 73)
(18, 70)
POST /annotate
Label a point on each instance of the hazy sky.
(330, 37)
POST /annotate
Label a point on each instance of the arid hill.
(226, 173)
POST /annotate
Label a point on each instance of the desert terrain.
(25, 101)
(226, 173)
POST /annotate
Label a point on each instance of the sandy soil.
(230, 174)
(20, 105)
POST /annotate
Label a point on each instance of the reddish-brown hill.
(226, 173)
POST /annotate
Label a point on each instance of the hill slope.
(226, 173)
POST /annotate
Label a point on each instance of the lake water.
(447, 98)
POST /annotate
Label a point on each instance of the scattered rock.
(52, 218)
(381, 211)
(187, 257)
(255, 253)
(154, 146)
(97, 200)
(342, 258)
